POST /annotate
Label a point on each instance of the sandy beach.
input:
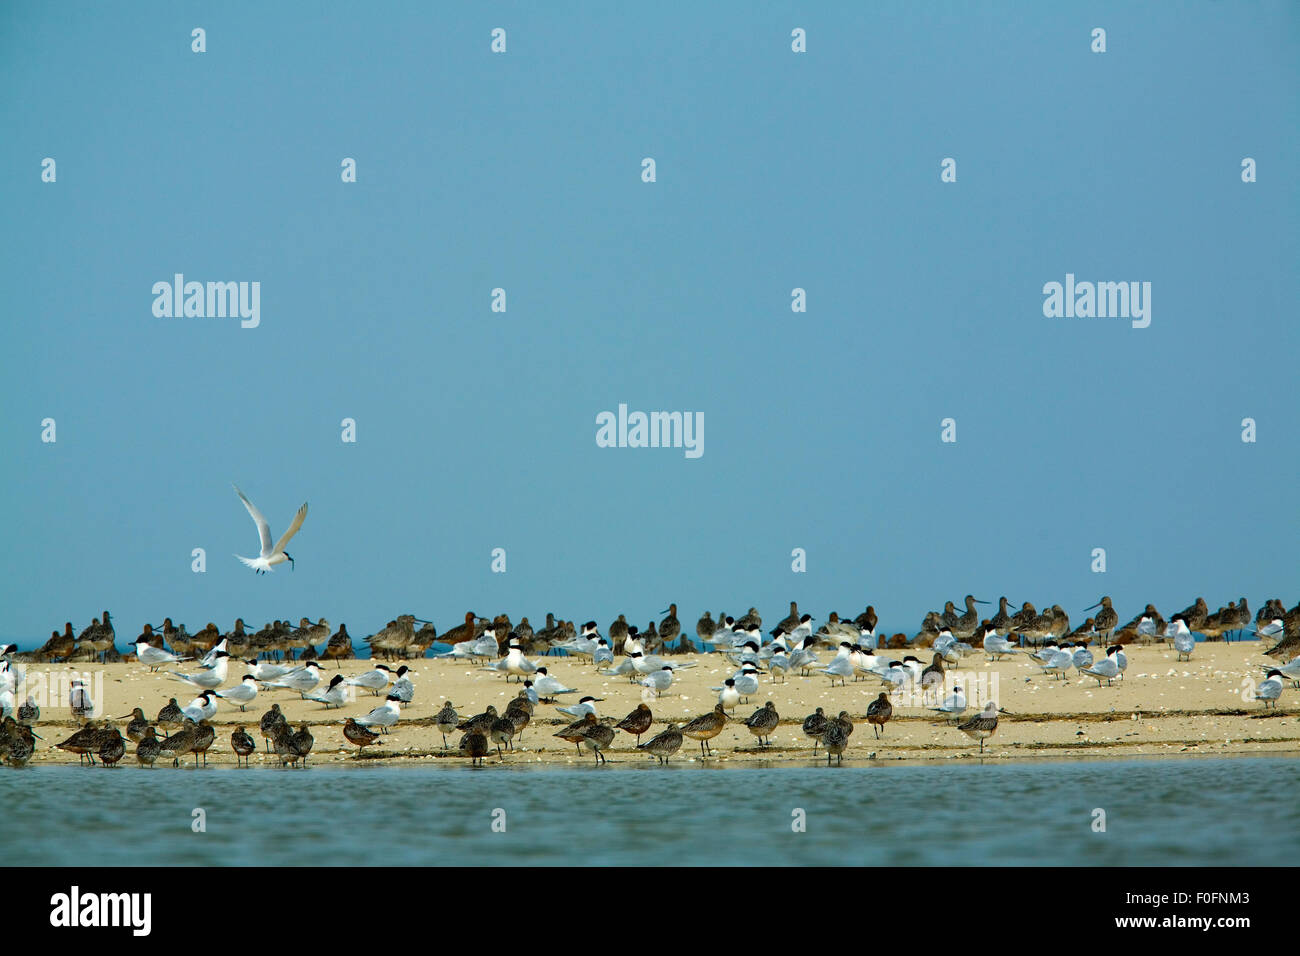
(1162, 707)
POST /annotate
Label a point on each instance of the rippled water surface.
(1157, 812)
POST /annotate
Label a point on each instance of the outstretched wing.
(293, 529)
(263, 529)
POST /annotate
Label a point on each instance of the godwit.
(664, 745)
(762, 722)
(814, 725)
(475, 746)
(598, 736)
(576, 732)
(966, 624)
(705, 727)
(148, 749)
(637, 722)
(1001, 621)
(669, 627)
(867, 619)
(878, 713)
(243, 744)
(835, 739)
(983, 725)
(446, 720)
(1194, 616)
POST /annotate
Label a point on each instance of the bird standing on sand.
(446, 721)
(474, 745)
(100, 637)
(242, 694)
(301, 679)
(170, 717)
(339, 647)
(479, 723)
(665, 744)
(282, 744)
(180, 743)
(335, 695)
(208, 678)
(841, 666)
(83, 743)
(358, 735)
(1105, 620)
(271, 721)
(996, 646)
(576, 732)
(814, 725)
(932, 677)
(762, 722)
(705, 727)
(1106, 669)
(878, 713)
(202, 707)
(835, 739)
(242, 744)
(402, 687)
(983, 725)
(598, 735)
(204, 735)
(520, 712)
(302, 743)
(375, 680)
(79, 700)
(954, 705)
(705, 628)
(670, 627)
(384, 716)
(582, 708)
(728, 695)
(1184, 642)
(659, 681)
(148, 749)
(637, 722)
(152, 656)
(1270, 689)
(502, 732)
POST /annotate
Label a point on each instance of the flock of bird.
(282, 658)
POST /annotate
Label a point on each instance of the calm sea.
(1169, 812)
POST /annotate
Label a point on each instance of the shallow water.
(1158, 812)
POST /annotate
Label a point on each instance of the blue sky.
(521, 170)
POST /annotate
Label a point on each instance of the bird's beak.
(1091, 606)
(1007, 712)
(978, 601)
